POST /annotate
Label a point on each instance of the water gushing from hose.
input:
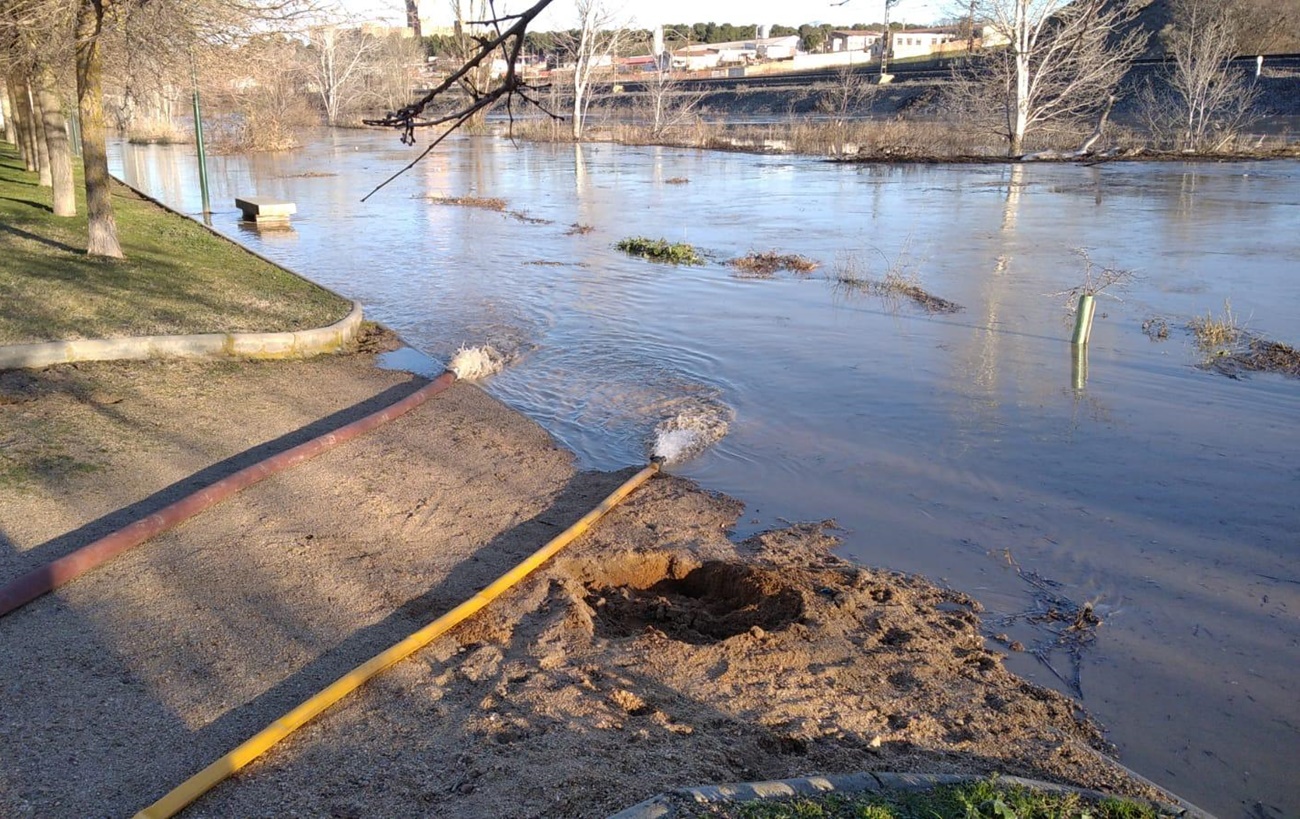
(473, 363)
(690, 432)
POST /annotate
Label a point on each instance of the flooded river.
(958, 446)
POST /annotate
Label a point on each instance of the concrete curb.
(298, 344)
(664, 806)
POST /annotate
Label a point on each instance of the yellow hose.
(259, 743)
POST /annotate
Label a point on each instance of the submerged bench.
(262, 210)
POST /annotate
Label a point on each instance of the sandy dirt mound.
(655, 653)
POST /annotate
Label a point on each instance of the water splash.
(690, 432)
(474, 363)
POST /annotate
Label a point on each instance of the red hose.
(32, 585)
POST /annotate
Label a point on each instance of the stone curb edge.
(296, 344)
(664, 806)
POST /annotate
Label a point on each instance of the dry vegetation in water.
(1230, 349)
(484, 202)
(851, 276)
(1156, 328)
(578, 229)
(522, 216)
(766, 265)
(676, 180)
(1217, 335)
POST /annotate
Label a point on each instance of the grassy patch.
(766, 265)
(29, 469)
(483, 202)
(177, 277)
(985, 799)
(660, 250)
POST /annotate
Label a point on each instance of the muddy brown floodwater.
(971, 447)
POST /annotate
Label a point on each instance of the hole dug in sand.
(707, 604)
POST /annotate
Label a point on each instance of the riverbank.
(908, 120)
(656, 653)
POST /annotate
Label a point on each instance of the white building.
(855, 40)
(920, 42)
(704, 56)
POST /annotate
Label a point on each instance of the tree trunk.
(413, 17)
(1020, 118)
(42, 147)
(577, 110)
(7, 111)
(23, 107)
(94, 151)
(1100, 130)
(56, 140)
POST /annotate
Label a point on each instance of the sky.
(647, 13)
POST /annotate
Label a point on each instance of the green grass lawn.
(176, 278)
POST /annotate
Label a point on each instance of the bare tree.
(592, 50)
(507, 39)
(337, 60)
(1063, 62)
(473, 21)
(393, 70)
(261, 80)
(841, 98)
(670, 102)
(1212, 100)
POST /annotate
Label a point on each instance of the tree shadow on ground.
(106, 524)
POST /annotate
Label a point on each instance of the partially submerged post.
(265, 211)
(1083, 319)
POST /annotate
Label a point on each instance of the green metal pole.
(1083, 320)
(1079, 365)
(203, 156)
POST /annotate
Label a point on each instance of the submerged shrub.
(660, 250)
